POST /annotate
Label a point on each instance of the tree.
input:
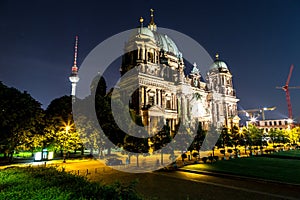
(20, 120)
(60, 131)
(246, 138)
(161, 139)
(293, 135)
(224, 139)
(237, 137)
(274, 134)
(255, 136)
(199, 138)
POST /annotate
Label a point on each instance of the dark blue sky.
(258, 39)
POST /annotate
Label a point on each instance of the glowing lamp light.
(38, 156)
(50, 155)
(253, 119)
(290, 121)
(68, 128)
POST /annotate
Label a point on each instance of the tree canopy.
(20, 120)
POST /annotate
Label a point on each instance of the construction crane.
(252, 113)
(286, 88)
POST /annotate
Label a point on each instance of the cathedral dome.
(166, 44)
(162, 41)
(218, 64)
(141, 31)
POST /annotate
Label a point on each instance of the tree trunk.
(161, 157)
(10, 155)
(100, 153)
(137, 160)
(82, 151)
(236, 152)
(129, 159)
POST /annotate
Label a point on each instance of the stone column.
(163, 99)
(156, 97)
(145, 98)
(141, 91)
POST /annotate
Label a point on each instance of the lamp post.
(67, 128)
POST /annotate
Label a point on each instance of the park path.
(186, 185)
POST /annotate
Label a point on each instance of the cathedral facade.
(166, 94)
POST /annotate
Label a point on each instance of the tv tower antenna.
(74, 74)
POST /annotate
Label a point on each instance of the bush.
(49, 183)
(211, 158)
(267, 151)
(204, 159)
(195, 154)
(183, 156)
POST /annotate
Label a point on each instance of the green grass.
(292, 153)
(48, 183)
(24, 154)
(285, 170)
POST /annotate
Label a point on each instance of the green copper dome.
(164, 42)
(141, 31)
(218, 64)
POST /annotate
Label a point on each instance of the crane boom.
(287, 92)
(289, 77)
(252, 112)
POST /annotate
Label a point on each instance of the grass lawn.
(292, 153)
(24, 154)
(286, 170)
(49, 183)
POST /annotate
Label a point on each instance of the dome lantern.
(152, 25)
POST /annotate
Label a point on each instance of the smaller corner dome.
(218, 64)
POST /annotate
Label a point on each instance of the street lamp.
(67, 128)
(253, 120)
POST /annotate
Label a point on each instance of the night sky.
(259, 40)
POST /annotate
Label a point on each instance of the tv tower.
(74, 75)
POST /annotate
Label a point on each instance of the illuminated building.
(166, 94)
